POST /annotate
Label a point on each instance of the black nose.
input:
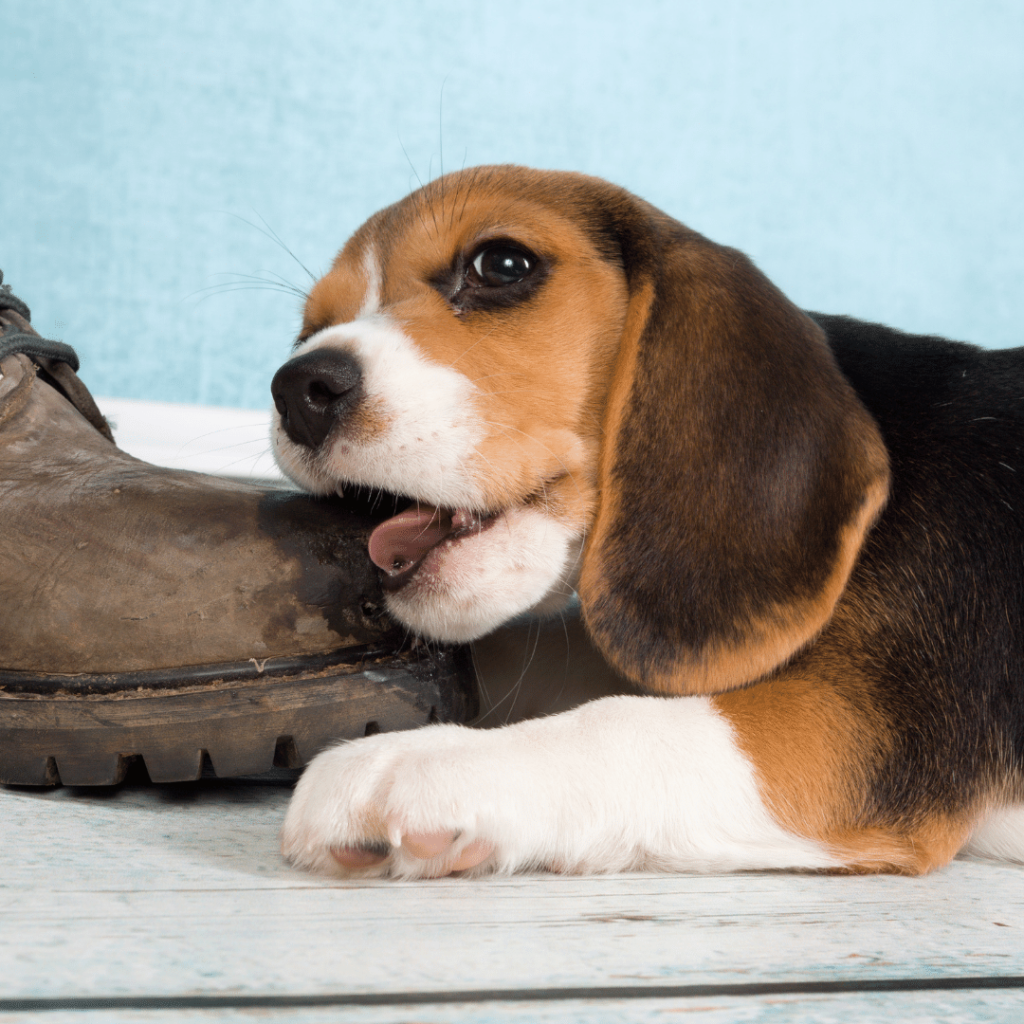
(315, 391)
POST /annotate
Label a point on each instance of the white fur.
(430, 428)
(371, 297)
(999, 837)
(526, 561)
(622, 783)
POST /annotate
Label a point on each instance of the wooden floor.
(159, 904)
(171, 903)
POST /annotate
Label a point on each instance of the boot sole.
(242, 719)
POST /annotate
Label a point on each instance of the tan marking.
(912, 850)
(344, 291)
(813, 753)
(617, 403)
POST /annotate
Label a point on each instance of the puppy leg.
(622, 783)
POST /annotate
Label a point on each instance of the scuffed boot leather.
(165, 614)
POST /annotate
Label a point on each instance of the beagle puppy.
(797, 543)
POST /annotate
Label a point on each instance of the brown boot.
(163, 614)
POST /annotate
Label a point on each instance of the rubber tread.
(88, 735)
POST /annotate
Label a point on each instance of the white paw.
(410, 805)
(620, 784)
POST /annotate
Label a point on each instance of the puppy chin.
(295, 462)
(527, 563)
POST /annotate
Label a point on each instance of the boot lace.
(57, 362)
(15, 341)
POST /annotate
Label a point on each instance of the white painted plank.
(970, 1007)
(178, 890)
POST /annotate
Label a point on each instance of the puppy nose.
(315, 391)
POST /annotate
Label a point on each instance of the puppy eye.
(500, 265)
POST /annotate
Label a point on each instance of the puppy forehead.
(482, 201)
(338, 296)
(404, 245)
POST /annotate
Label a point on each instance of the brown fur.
(730, 386)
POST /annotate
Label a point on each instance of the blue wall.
(867, 153)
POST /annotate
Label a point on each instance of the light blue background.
(867, 153)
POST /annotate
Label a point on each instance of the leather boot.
(175, 616)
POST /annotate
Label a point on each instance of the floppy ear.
(739, 474)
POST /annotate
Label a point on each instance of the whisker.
(440, 137)
(518, 689)
(281, 279)
(419, 210)
(459, 183)
(553, 702)
(472, 181)
(485, 693)
(433, 211)
(271, 281)
(412, 166)
(479, 455)
(455, 203)
(478, 341)
(270, 233)
(227, 288)
(554, 455)
(521, 391)
(253, 459)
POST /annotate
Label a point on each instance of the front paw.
(419, 804)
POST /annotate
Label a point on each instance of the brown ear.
(739, 476)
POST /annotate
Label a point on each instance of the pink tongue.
(404, 540)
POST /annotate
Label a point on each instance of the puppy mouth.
(400, 545)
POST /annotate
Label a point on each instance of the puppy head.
(571, 390)
(458, 354)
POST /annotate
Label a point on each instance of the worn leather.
(108, 564)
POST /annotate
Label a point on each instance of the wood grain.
(167, 891)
